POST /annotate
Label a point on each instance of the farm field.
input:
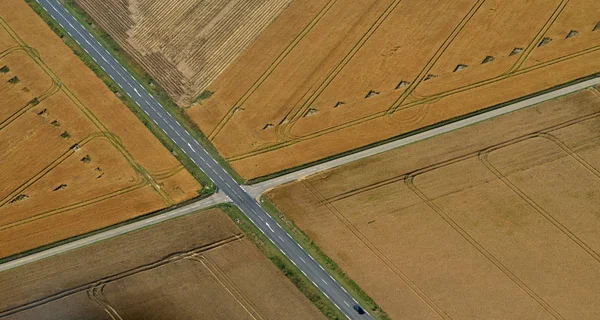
(184, 45)
(74, 157)
(199, 266)
(498, 220)
(332, 76)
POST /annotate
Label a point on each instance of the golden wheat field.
(199, 266)
(494, 221)
(183, 44)
(331, 76)
(73, 157)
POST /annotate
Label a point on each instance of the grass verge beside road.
(95, 232)
(208, 187)
(332, 268)
(417, 131)
(138, 72)
(282, 262)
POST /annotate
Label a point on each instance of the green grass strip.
(208, 186)
(138, 72)
(420, 130)
(282, 262)
(332, 268)
(203, 96)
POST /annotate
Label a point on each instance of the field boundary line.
(48, 168)
(164, 174)
(53, 89)
(439, 95)
(74, 206)
(297, 111)
(483, 157)
(8, 50)
(437, 55)
(380, 255)
(215, 131)
(420, 103)
(96, 295)
(457, 159)
(432, 61)
(90, 115)
(123, 274)
(536, 39)
(398, 178)
(264, 17)
(571, 153)
(228, 285)
(409, 181)
(143, 78)
(372, 186)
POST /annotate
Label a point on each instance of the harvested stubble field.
(331, 76)
(183, 44)
(74, 158)
(199, 266)
(498, 220)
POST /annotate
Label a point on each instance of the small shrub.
(34, 102)
(60, 187)
(204, 95)
(572, 34)
(4, 69)
(43, 113)
(18, 198)
(488, 59)
(14, 80)
(516, 51)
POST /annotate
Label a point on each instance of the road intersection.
(228, 186)
(230, 190)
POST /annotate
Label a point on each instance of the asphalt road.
(114, 232)
(248, 205)
(257, 189)
(234, 192)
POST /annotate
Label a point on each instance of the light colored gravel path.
(257, 189)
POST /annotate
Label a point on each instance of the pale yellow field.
(184, 44)
(73, 157)
(200, 266)
(494, 221)
(332, 76)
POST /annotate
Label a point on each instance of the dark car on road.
(359, 309)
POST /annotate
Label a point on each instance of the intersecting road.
(237, 194)
(248, 205)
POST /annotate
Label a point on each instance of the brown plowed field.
(331, 76)
(184, 44)
(199, 266)
(494, 221)
(74, 158)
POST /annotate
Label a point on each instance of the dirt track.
(331, 76)
(75, 159)
(496, 221)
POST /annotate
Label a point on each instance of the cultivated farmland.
(494, 221)
(331, 76)
(199, 266)
(74, 158)
(184, 44)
